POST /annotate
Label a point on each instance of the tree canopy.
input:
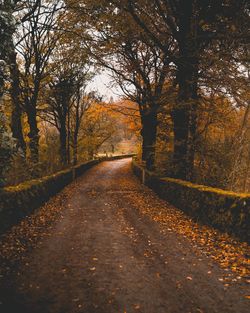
(182, 68)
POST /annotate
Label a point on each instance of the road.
(102, 254)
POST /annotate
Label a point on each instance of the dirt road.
(101, 254)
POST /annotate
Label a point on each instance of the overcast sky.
(102, 83)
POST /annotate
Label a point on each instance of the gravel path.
(102, 254)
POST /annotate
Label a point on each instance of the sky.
(102, 83)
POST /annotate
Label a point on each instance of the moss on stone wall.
(19, 201)
(225, 210)
(16, 202)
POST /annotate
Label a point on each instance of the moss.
(35, 182)
(206, 188)
(19, 201)
(226, 210)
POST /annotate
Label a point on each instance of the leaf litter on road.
(222, 248)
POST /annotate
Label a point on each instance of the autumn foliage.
(183, 102)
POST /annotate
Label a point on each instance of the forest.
(181, 68)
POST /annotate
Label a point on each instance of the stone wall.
(224, 210)
(16, 202)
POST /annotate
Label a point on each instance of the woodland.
(182, 69)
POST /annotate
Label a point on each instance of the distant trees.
(67, 103)
(99, 127)
(81, 103)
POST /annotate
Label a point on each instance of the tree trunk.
(246, 178)
(7, 30)
(193, 118)
(148, 133)
(16, 117)
(33, 134)
(63, 142)
(78, 117)
(184, 114)
(75, 151)
(68, 137)
(184, 117)
(75, 142)
(180, 123)
(91, 153)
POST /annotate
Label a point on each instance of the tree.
(194, 26)
(34, 49)
(7, 146)
(67, 100)
(7, 28)
(98, 127)
(15, 91)
(8, 25)
(61, 91)
(138, 67)
(81, 102)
